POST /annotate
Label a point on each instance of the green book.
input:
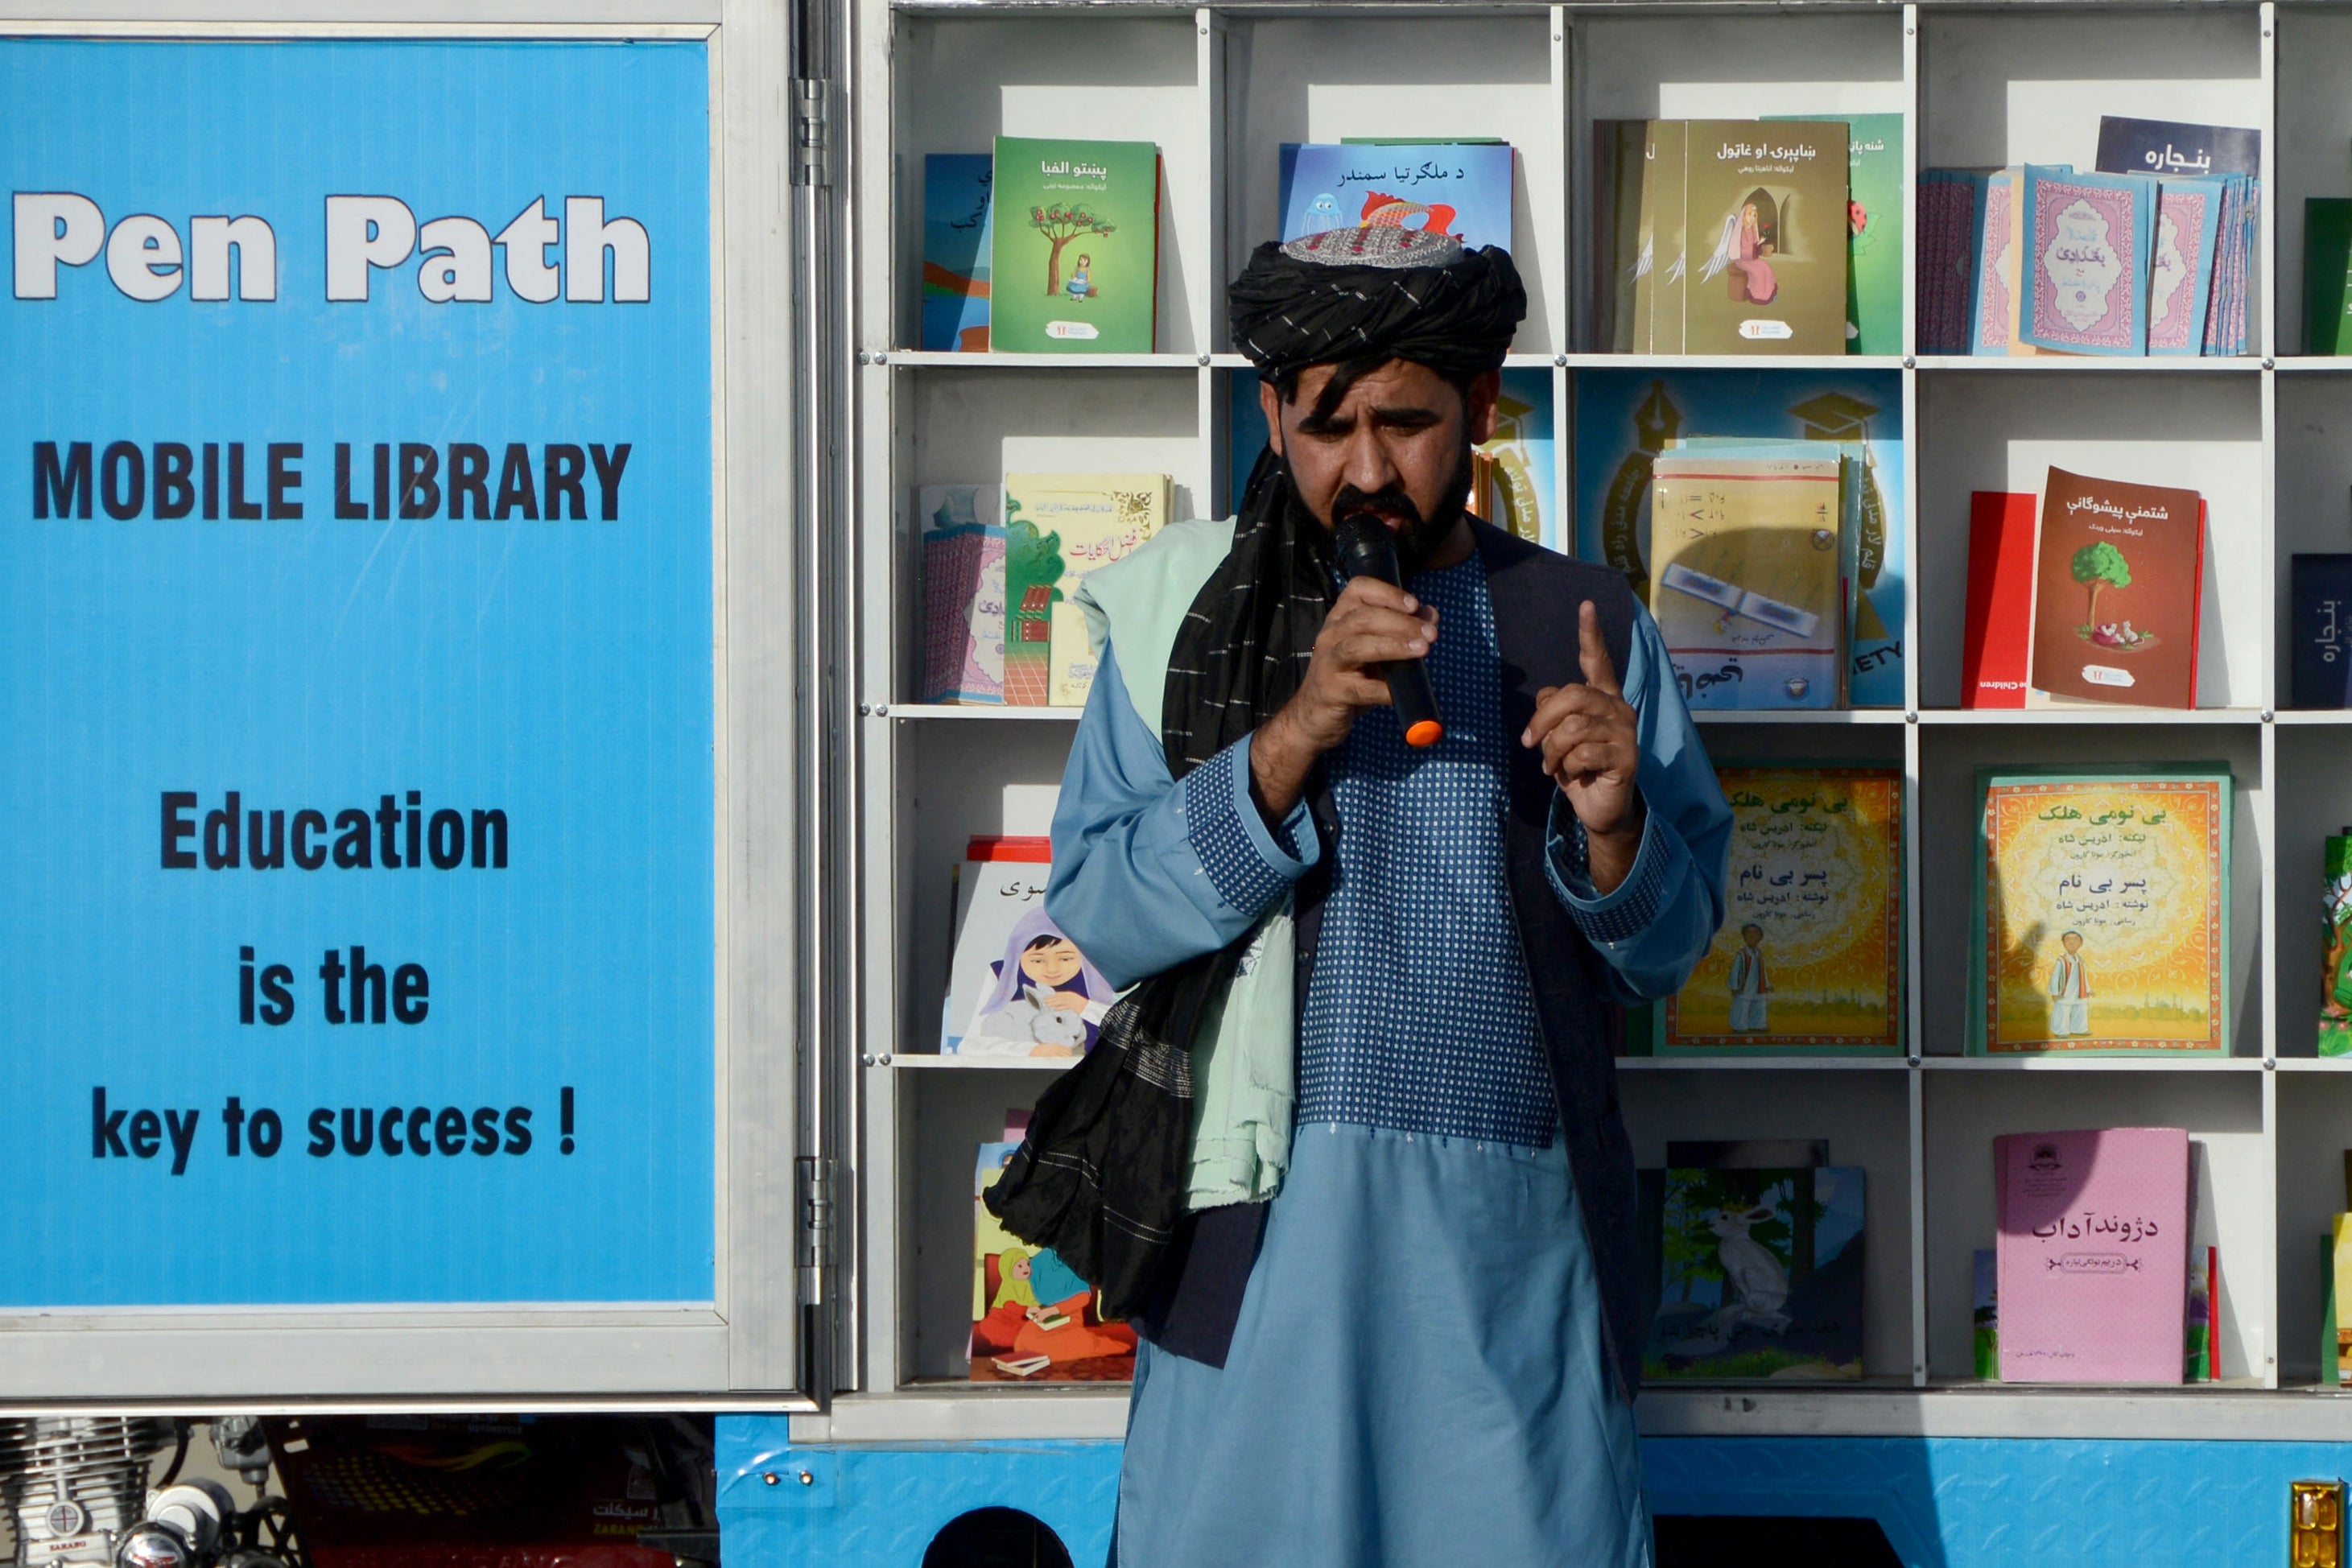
(1765, 206)
(1075, 262)
(2327, 266)
(1874, 288)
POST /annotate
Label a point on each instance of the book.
(2168, 149)
(1514, 483)
(963, 593)
(2333, 1368)
(2336, 953)
(1808, 959)
(1984, 1294)
(1759, 1275)
(1662, 261)
(1747, 588)
(957, 242)
(1459, 188)
(2085, 260)
(1951, 203)
(1620, 155)
(1996, 645)
(1033, 1317)
(2337, 1366)
(2319, 631)
(2182, 261)
(1059, 528)
(1625, 418)
(1074, 259)
(2092, 1232)
(2100, 913)
(1017, 986)
(1874, 290)
(2327, 275)
(1767, 225)
(2118, 578)
(1992, 300)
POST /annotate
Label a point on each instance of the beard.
(1417, 536)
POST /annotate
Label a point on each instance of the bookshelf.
(2262, 436)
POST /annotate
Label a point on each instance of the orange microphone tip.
(1428, 733)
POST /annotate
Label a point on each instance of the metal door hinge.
(816, 1191)
(812, 131)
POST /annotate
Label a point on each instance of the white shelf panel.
(2315, 1063)
(1761, 1063)
(2070, 717)
(933, 359)
(975, 710)
(2056, 363)
(1732, 361)
(2314, 718)
(934, 1062)
(2091, 1064)
(1797, 716)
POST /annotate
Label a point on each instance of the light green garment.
(1245, 1059)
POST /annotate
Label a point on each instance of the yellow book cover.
(2102, 914)
(1809, 956)
(2342, 1296)
(1059, 528)
(1746, 568)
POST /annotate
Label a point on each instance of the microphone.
(1366, 549)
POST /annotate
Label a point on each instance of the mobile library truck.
(493, 484)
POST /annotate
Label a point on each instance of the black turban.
(1102, 1175)
(1353, 293)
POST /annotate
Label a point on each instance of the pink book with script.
(2094, 1237)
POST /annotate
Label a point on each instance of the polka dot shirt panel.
(1419, 1017)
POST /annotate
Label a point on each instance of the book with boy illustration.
(2100, 918)
(1017, 986)
(1074, 252)
(1033, 1319)
(1808, 960)
(1753, 1273)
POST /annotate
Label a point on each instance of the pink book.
(2093, 1244)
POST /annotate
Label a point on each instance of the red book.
(2119, 572)
(1032, 849)
(2000, 627)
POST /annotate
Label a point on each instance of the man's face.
(1396, 444)
(2074, 942)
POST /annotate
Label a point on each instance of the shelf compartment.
(961, 81)
(1866, 1118)
(2200, 432)
(1964, 1112)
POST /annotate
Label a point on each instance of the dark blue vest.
(1536, 594)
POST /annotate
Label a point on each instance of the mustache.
(1389, 500)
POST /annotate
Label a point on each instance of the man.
(1425, 1347)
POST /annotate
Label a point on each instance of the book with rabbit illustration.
(1017, 986)
(1759, 1274)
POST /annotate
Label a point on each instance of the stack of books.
(2093, 595)
(1724, 236)
(2150, 254)
(1001, 625)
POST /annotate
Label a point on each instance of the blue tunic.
(1417, 1373)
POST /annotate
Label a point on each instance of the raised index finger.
(1599, 669)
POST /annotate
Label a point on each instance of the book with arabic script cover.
(2100, 924)
(2118, 581)
(2094, 1243)
(1808, 960)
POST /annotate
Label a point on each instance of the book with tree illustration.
(1075, 257)
(1034, 1319)
(1759, 1274)
(2100, 913)
(1808, 959)
(2118, 578)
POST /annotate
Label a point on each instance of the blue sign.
(356, 888)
